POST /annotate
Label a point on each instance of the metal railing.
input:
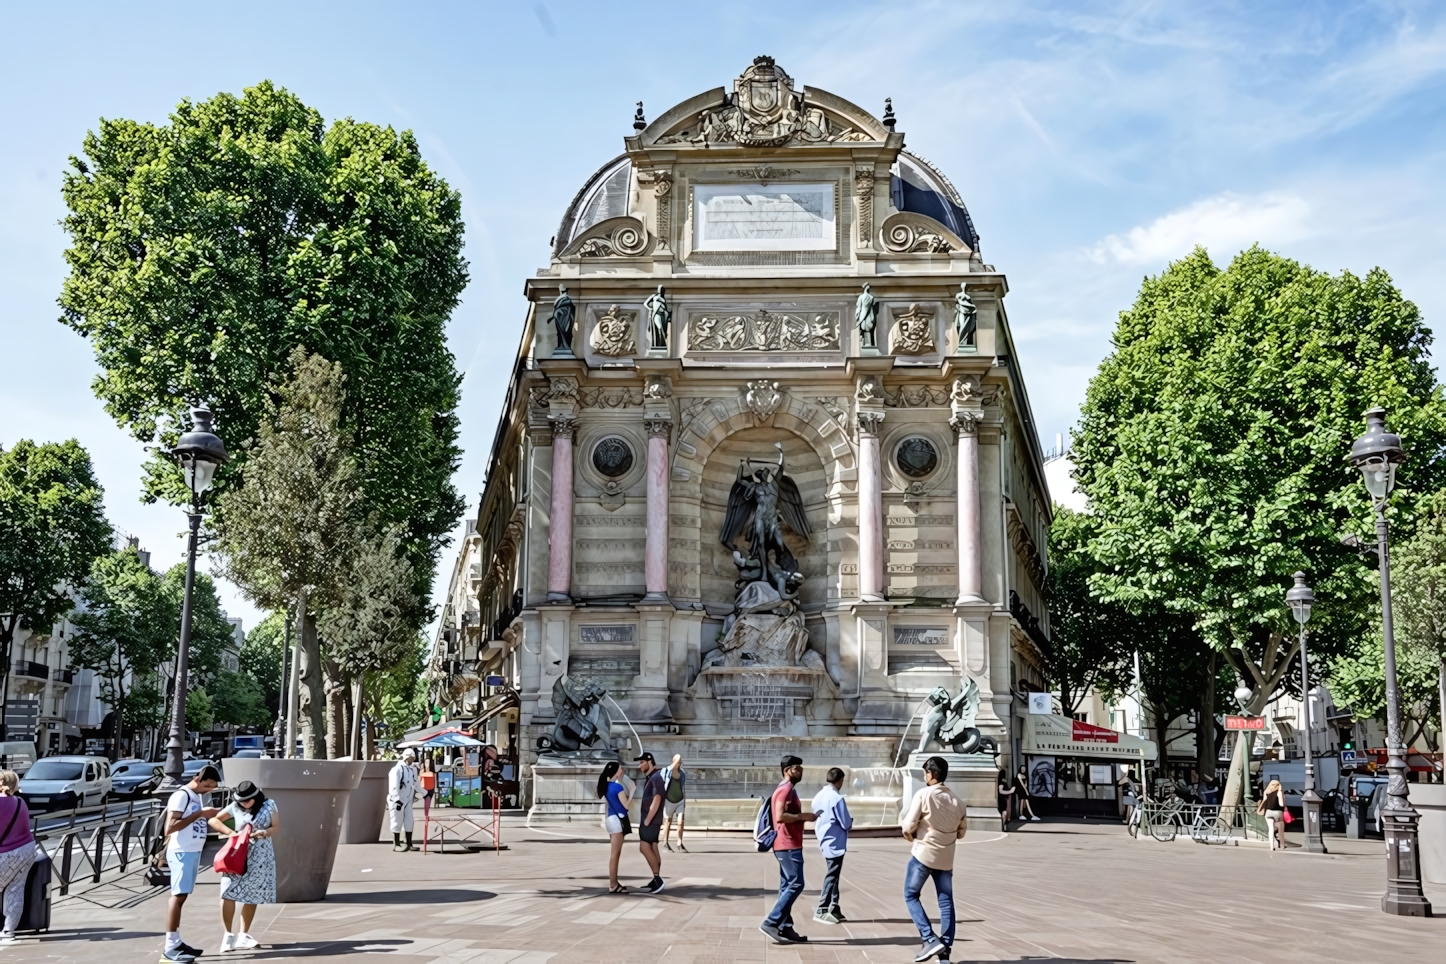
(1202, 822)
(85, 845)
(28, 667)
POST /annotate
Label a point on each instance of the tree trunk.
(355, 695)
(1206, 753)
(1441, 688)
(7, 640)
(313, 695)
(335, 709)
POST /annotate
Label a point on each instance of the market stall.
(1074, 767)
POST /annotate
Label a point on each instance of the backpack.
(764, 833)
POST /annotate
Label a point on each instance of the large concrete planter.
(366, 807)
(311, 796)
(1429, 799)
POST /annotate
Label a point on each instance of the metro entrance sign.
(1244, 722)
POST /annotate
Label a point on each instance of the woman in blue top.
(610, 786)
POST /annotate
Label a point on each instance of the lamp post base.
(1310, 811)
(1404, 896)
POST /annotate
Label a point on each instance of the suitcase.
(36, 915)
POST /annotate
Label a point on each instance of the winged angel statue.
(761, 507)
(950, 722)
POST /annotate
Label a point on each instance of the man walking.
(674, 800)
(186, 816)
(401, 795)
(934, 824)
(788, 821)
(832, 830)
(653, 793)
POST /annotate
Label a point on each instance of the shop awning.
(1054, 735)
(495, 705)
(449, 738)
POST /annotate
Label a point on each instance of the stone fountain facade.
(767, 471)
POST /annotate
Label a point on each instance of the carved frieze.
(614, 333)
(763, 330)
(913, 332)
(609, 397)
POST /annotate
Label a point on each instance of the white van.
(66, 783)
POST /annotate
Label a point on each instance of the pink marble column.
(656, 564)
(559, 540)
(971, 556)
(871, 510)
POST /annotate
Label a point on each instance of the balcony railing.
(66, 676)
(32, 669)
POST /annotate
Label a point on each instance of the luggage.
(36, 916)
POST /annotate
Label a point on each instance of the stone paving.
(1058, 890)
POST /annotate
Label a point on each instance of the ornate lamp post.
(1376, 454)
(1243, 693)
(199, 451)
(1300, 598)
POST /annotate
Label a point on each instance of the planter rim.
(321, 775)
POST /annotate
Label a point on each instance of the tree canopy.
(205, 249)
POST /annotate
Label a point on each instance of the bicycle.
(1167, 821)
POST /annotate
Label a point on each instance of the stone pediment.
(763, 110)
(620, 237)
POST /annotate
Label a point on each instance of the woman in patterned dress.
(258, 884)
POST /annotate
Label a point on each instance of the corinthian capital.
(563, 426)
(966, 422)
(657, 427)
(869, 422)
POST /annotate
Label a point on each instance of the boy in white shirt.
(186, 816)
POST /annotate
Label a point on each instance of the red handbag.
(1288, 818)
(231, 858)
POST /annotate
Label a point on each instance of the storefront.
(1074, 768)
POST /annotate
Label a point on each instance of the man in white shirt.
(186, 816)
(934, 824)
(401, 795)
(832, 830)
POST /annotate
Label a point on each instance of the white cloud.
(1226, 222)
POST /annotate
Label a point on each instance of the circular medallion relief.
(612, 457)
(916, 457)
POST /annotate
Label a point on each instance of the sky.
(1093, 143)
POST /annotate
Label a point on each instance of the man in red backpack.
(789, 820)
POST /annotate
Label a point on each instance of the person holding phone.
(186, 817)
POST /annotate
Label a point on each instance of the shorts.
(184, 864)
(613, 823)
(671, 808)
(649, 834)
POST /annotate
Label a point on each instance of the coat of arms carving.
(913, 332)
(612, 334)
(764, 111)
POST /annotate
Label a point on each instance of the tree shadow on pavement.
(97, 934)
(409, 897)
(296, 949)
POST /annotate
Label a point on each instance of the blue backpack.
(764, 833)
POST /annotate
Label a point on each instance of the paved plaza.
(1058, 890)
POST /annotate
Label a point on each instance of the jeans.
(914, 877)
(790, 885)
(828, 897)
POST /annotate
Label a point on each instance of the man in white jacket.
(936, 821)
(401, 795)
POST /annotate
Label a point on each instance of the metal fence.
(1202, 822)
(83, 847)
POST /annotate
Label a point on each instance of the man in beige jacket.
(934, 824)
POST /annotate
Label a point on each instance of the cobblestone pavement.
(1056, 890)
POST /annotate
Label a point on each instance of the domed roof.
(765, 111)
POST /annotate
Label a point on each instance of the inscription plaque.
(608, 634)
(922, 636)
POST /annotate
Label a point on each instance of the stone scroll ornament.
(866, 315)
(563, 313)
(660, 319)
(581, 720)
(950, 722)
(613, 333)
(966, 320)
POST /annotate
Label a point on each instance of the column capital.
(658, 426)
(869, 422)
(563, 426)
(966, 422)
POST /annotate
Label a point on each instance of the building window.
(916, 457)
(612, 457)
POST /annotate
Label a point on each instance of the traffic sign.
(1245, 722)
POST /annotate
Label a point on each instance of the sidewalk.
(1055, 890)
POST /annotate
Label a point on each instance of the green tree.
(400, 696)
(211, 634)
(200, 712)
(205, 249)
(290, 527)
(125, 626)
(1212, 446)
(1093, 639)
(261, 659)
(237, 699)
(52, 527)
(145, 707)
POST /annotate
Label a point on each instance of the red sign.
(1245, 722)
(1089, 733)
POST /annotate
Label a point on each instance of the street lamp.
(1300, 598)
(1376, 454)
(199, 452)
(1243, 694)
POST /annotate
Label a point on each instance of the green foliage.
(1093, 639)
(145, 707)
(1213, 440)
(200, 712)
(125, 627)
(205, 249)
(261, 659)
(237, 699)
(401, 693)
(210, 632)
(374, 627)
(52, 528)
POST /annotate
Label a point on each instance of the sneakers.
(245, 942)
(930, 949)
(193, 951)
(228, 943)
(792, 936)
(826, 917)
(655, 886)
(840, 915)
(177, 954)
(1036, 819)
(669, 846)
(773, 933)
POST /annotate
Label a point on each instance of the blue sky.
(1092, 142)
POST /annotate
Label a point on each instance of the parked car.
(192, 767)
(250, 754)
(67, 782)
(135, 778)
